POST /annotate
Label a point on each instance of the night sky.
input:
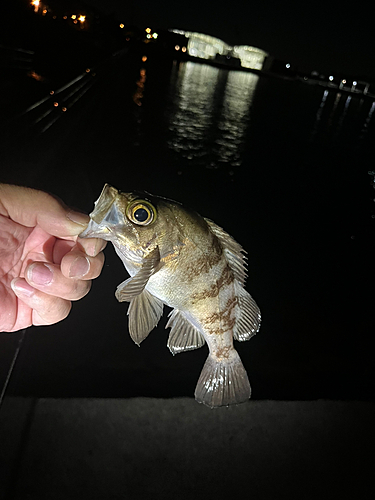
(326, 36)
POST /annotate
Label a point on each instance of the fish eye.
(141, 212)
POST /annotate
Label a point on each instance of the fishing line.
(12, 365)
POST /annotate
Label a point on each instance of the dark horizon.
(326, 38)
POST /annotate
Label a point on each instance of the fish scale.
(177, 258)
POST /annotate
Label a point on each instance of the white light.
(154, 35)
(343, 81)
(330, 78)
(287, 65)
(177, 47)
(354, 83)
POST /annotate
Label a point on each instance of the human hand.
(43, 264)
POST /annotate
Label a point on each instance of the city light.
(330, 78)
(148, 30)
(82, 19)
(122, 25)
(177, 47)
(155, 35)
(73, 16)
(35, 3)
(206, 47)
(287, 65)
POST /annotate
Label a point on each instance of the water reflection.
(209, 114)
(341, 118)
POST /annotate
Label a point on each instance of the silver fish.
(178, 258)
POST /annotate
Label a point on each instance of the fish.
(178, 258)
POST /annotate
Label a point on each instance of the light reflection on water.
(209, 115)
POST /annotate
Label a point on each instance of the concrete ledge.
(158, 448)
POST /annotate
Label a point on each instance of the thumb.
(31, 207)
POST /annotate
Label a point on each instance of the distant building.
(210, 48)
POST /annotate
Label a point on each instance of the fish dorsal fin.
(183, 335)
(248, 321)
(144, 313)
(135, 285)
(232, 250)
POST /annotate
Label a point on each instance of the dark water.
(282, 166)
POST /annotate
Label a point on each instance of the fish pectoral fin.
(183, 335)
(144, 313)
(248, 322)
(223, 382)
(135, 285)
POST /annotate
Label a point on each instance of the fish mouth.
(102, 207)
(104, 203)
(91, 230)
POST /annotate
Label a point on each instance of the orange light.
(35, 3)
(82, 19)
(144, 58)
(183, 49)
(35, 75)
(52, 92)
(122, 25)
(177, 47)
(74, 16)
(88, 70)
(64, 109)
(55, 104)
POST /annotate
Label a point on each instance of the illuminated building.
(210, 48)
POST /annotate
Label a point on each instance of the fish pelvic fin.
(144, 313)
(135, 285)
(248, 322)
(223, 382)
(183, 335)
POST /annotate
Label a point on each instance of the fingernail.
(40, 274)
(79, 268)
(21, 287)
(78, 218)
(95, 247)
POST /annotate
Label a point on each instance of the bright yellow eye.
(141, 212)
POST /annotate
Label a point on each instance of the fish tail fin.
(223, 382)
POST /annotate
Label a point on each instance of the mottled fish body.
(178, 258)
